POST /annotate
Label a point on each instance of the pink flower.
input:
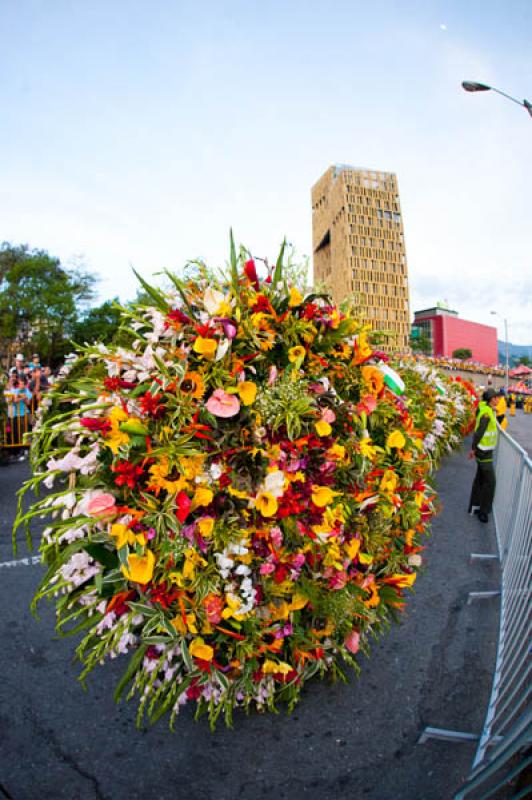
(352, 641)
(222, 404)
(101, 505)
(368, 403)
(338, 580)
(328, 415)
(272, 377)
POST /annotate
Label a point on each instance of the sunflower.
(193, 385)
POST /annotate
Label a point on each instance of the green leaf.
(157, 296)
(107, 558)
(132, 667)
(234, 261)
(278, 272)
(186, 656)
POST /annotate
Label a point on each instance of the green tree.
(98, 324)
(462, 353)
(421, 344)
(525, 361)
(40, 300)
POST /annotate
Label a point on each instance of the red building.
(447, 333)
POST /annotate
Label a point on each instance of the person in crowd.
(500, 410)
(38, 384)
(35, 362)
(482, 449)
(18, 368)
(512, 405)
(18, 398)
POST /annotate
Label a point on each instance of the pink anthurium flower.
(222, 404)
(101, 505)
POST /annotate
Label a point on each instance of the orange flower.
(373, 380)
(193, 385)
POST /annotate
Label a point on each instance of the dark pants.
(483, 488)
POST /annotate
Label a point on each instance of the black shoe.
(482, 517)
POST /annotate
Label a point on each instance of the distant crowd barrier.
(504, 754)
(13, 426)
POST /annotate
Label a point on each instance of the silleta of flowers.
(240, 492)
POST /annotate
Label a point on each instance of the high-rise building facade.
(359, 249)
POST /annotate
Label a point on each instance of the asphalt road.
(343, 742)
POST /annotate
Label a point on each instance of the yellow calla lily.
(323, 428)
(198, 649)
(322, 495)
(396, 439)
(140, 568)
(247, 391)
(266, 504)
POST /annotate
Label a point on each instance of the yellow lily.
(198, 649)
(396, 439)
(205, 347)
(266, 504)
(139, 568)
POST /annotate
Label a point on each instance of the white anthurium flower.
(212, 300)
(222, 349)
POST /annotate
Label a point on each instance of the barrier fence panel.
(13, 430)
(16, 421)
(504, 751)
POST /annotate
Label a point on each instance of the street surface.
(343, 742)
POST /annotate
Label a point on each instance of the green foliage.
(40, 300)
(462, 353)
(98, 324)
(421, 344)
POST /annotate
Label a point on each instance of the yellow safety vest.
(489, 439)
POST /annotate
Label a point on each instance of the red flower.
(164, 595)
(128, 474)
(262, 304)
(177, 316)
(183, 503)
(96, 424)
(152, 404)
(113, 384)
(251, 273)
(194, 690)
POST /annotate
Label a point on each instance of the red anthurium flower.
(183, 503)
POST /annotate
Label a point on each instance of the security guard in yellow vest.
(482, 449)
(500, 410)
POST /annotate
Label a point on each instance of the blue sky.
(135, 133)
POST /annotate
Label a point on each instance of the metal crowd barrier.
(13, 429)
(503, 761)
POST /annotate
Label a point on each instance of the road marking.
(25, 562)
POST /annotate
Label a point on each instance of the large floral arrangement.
(243, 491)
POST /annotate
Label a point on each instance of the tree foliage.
(40, 300)
(462, 353)
(421, 344)
(98, 324)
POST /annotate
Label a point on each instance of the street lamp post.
(472, 86)
(507, 364)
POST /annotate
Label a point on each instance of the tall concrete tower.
(358, 246)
